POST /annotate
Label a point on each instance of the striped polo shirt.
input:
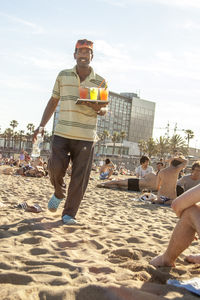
(75, 121)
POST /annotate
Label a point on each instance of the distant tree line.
(165, 145)
(15, 139)
(116, 137)
(160, 147)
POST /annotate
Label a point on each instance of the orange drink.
(83, 91)
(93, 93)
(103, 94)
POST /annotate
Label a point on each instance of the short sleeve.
(56, 88)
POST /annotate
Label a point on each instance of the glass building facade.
(118, 117)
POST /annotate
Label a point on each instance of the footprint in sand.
(31, 241)
(61, 265)
(125, 254)
(4, 266)
(14, 278)
(104, 270)
(38, 251)
(96, 244)
(135, 240)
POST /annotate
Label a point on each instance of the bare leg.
(195, 259)
(115, 184)
(181, 238)
(187, 199)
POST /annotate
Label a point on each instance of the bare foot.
(160, 261)
(194, 259)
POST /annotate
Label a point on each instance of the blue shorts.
(104, 175)
(164, 198)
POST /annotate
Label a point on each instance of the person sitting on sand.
(22, 156)
(167, 179)
(187, 209)
(107, 169)
(144, 167)
(189, 181)
(159, 166)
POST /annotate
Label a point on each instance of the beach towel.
(192, 285)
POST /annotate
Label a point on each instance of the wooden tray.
(78, 101)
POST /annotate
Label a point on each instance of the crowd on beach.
(173, 188)
(24, 165)
(165, 184)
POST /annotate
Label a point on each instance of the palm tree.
(100, 139)
(151, 147)
(189, 135)
(122, 137)
(7, 135)
(30, 128)
(177, 144)
(21, 138)
(105, 135)
(13, 124)
(115, 138)
(47, 139)
(142, 145)
(162, 146)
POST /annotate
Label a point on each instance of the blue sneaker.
(68, 220)
(53, 204)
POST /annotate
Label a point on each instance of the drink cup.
(103, 94)
(83, 91)
(93, 93)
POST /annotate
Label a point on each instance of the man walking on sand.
(75, 132)
(187, 208)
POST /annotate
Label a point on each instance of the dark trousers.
(179, 190)
(81, 155)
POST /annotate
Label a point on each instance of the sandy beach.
(106, 256)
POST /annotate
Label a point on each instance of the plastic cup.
(93, 93)
(104, 94)
(83, 91)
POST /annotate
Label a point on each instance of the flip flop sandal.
(34, 208)
(68, 220)
(22, 205)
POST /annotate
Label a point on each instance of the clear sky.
(151, 47)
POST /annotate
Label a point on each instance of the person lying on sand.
(187, 208)
(107, 169)
(167, 180)
(133, 184)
